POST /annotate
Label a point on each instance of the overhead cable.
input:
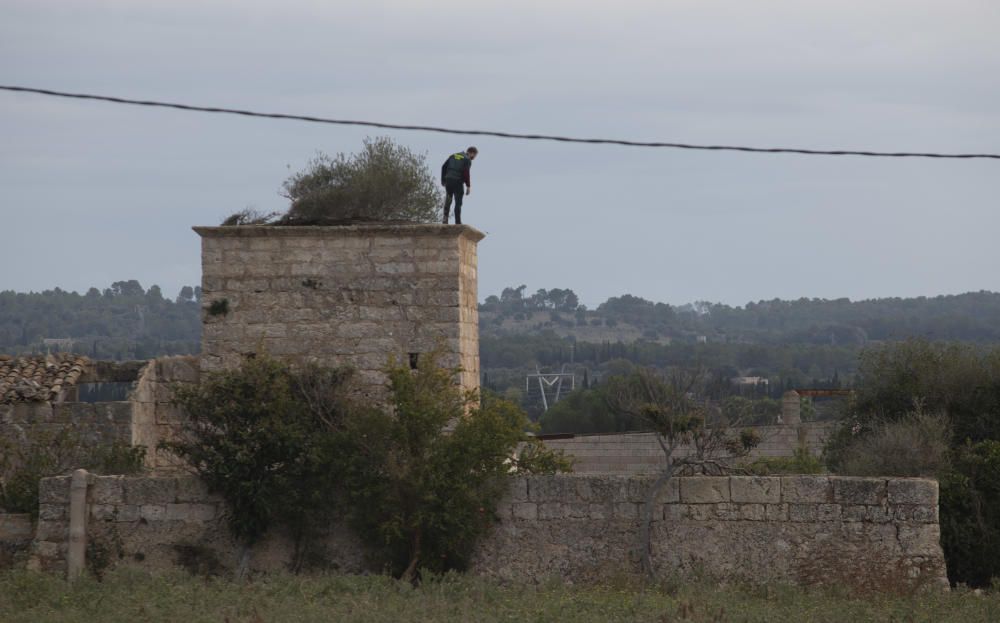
(510, 135)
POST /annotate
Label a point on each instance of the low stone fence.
(868, 532)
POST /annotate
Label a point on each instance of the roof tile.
(38, 378)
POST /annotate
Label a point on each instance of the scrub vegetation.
(127, 595)
(418, 479)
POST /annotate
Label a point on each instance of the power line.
(511, 135)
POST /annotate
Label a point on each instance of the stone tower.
(352, 295)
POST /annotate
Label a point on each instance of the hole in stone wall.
(414, 360)
(219, 307)
(103, 392)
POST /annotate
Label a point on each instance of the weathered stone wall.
(341, 295)
(16, 533)
(154, 417)
(145, 419)
(158, 522)
(867, 532)
(95, 423)
(872, 532)
(639, 453)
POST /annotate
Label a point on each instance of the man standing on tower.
(455, 173)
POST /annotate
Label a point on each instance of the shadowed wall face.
(353, 296)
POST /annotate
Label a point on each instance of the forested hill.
(123, 321)
(522, 330)
(972, 317)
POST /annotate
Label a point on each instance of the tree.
(513, 298)
(668, 407)
(423, 478)
(259, 435)
(959, 380)
(882, 433)
(127, 288)
(384, 182)
(186, 295)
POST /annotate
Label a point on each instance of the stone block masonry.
(868, 533)
(872, 533)
(354, 295)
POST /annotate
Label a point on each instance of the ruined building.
(353, 295)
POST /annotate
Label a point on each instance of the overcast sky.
(92, 193)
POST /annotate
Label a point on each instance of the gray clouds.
(95, 193)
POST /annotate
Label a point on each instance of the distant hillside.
(123, 321)
(972, 317)
(808, 341)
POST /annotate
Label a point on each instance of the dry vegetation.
(131, 596)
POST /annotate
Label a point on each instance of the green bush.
(751, 412)
(916, 445)
(960, 380)
(801, 462)
(116, 458)
(422, 480)
(970, 514)
(586, 411)
(258, 435)
(384, 182)
(44, 454)
(419, 480)
(882, 435)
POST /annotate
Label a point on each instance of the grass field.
(134, 596)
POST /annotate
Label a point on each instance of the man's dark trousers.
(457, 190)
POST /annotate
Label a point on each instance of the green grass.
(128, 595)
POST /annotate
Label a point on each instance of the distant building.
(749, 381)
(59, 344)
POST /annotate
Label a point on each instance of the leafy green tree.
(385, 181)
(759, 412)
(960, 380)
(423, 478)
(127, 288)
(881, 432)
(586, 411)
(970, 514)
(260, 435)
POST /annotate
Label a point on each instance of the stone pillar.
(791, 408)
(353, 295)
(76, 553)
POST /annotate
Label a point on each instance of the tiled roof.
(38, 378)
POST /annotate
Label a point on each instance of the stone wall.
(96, 423)
(145, 419)
(16, 533)
(869, 532)
(639, 453)
(154, 417)
(341, 295)
(158, 522)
